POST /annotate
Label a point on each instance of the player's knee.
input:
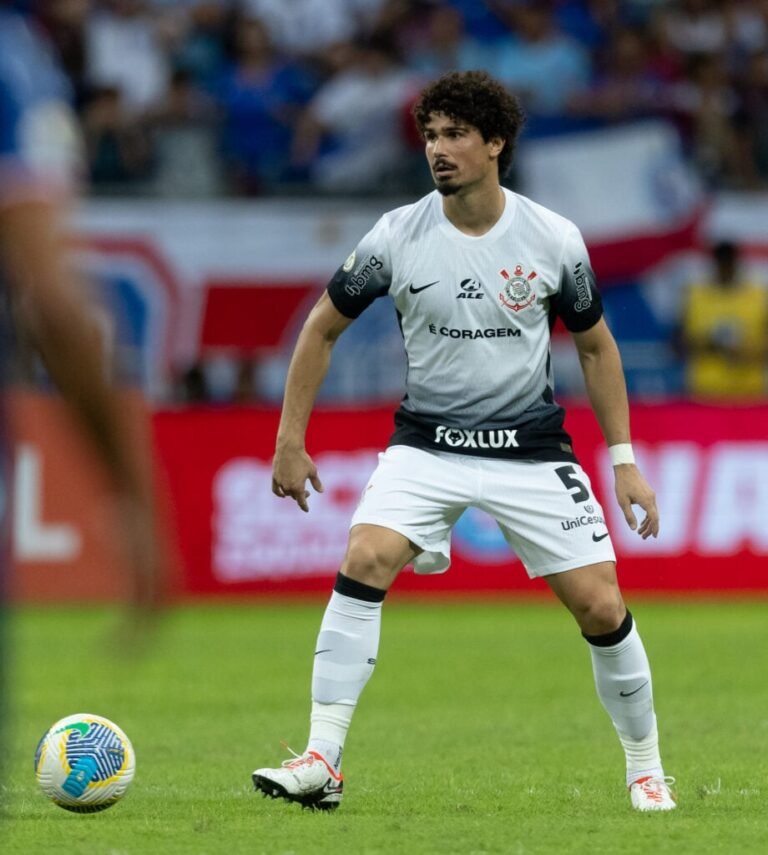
(365, 563)
(601, 614)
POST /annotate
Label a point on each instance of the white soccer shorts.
(546, 511)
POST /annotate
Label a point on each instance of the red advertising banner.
(63, 513)
(709, 467)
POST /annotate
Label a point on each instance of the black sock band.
(358, 590)
(612, 638)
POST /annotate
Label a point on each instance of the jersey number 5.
(565, 474)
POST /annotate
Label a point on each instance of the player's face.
(457, 154)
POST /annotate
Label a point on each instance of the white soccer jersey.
(476, 314)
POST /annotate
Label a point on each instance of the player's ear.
(496, 146)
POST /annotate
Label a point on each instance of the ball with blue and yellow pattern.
(84, 763)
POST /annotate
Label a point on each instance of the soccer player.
(39, 159)
(477, 275)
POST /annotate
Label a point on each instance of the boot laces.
(297, 759)
(655, 788)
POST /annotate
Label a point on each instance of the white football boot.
(307, 779)
(652, 793)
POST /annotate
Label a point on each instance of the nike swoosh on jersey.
(598, 537)
(422, 288)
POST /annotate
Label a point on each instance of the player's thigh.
(548, 514)
(420, 496)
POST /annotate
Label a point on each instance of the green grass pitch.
(479, 732)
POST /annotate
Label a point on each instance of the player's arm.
(292, 466)
(604, 378)
(57, 323)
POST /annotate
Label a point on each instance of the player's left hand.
(633, 489)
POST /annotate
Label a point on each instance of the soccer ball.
(84, 763)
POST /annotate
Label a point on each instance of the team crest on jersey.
(517, 293)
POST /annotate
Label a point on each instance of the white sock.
(328, 730)
(623, 682)
(642, 755)
(345, 656)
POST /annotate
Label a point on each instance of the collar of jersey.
(498, 228)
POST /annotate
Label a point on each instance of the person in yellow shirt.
(725, 332)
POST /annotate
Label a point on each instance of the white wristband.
(621, 453)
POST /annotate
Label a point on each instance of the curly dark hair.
(476, 98)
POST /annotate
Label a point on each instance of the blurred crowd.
(251, 97)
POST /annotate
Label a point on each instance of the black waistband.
(547, 441)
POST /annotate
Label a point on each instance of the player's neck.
(476, 210)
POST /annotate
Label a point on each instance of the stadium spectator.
(246, 384)
(705, 105)
(443, 45)
(199, 48)
(117, 146)
(350, 138)
(752, 125)
(485, 19)
(261, 94)
(308, 28)
(191, 385)
(124, 51)
(695, 26)
(746, 33)
(724, 332)
(542, 65)
(592, 22)
(666, 62)
(219, 377)
(732, 29)
(183, 135)
(468, 436)
(627, 87)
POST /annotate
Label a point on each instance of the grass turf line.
(479, 732)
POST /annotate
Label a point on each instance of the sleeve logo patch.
(349, 263)
(583, 291)
(358, 281)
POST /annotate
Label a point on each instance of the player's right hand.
(290, 471)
